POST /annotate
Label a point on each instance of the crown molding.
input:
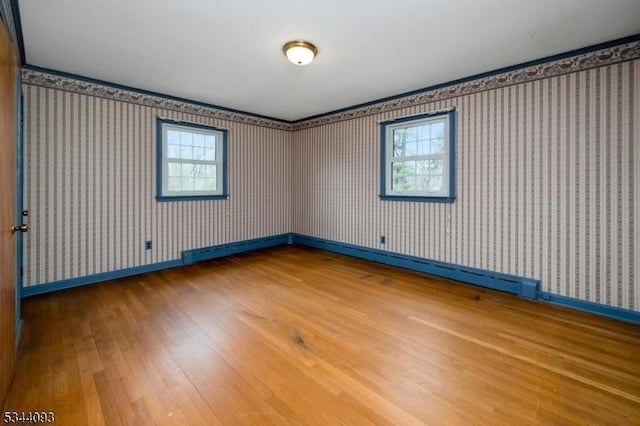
(10, 12)
(86, 86)
(614, 52)
(537, 70)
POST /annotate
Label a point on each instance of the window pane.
(424, 139)
(423, 167)
(187, 169)
(210, 154)
(423, 147)
(435, 183)
(436, 167)
(412, 133)
(187, 184)
(200, 184)
(398, 135)
(209, 141)
(173, 137)
(198, 153)
(173, 151)
(422, 183)
(198, 139)
(403, 175)
(437, 146)
(399, 149)
(411, 183)
(437, 130)
(199, 170)
(401, 184)
(174, 184)
(423, 132)
(191, 156)
(186, 152)
(186, 138)
(195, 171)
(404, 167)
(174, 169)
(411, 148)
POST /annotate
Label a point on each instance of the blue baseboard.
(205, 253)
(96, 278)
(521, 286)
(524, 287)
(591, 307)
(188, 257)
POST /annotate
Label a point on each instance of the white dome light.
(300, 52)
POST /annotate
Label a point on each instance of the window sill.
(162, 199)
(418, 199)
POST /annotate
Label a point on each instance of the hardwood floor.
(293, 335)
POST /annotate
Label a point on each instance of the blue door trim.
(19, 204)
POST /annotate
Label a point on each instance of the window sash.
(218, 162)
(390, 159)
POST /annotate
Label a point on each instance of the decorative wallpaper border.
(611, 55)
(75, 85)
(598, 58)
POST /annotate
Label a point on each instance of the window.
(192, 161)
(418, 158)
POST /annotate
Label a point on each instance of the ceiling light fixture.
(300, 52)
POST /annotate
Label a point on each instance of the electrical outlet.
(148, 245)
(383, 239)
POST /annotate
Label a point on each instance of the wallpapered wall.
(547, 185)
(90, 170)
(547, 178)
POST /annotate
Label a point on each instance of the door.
(8, 74)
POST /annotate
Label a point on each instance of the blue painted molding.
(96, 278)
(298, 122)
(188, 257)
(591, 307)
(17, 22)
(160, 122)
(564, 55)
(384, 161)
(206, 253)
(504, 282)
(417, 199)
(148, 92)
(19, 200)
(10, 17)
(163, 199)
(524, 287)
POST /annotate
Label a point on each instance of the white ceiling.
(228, 52)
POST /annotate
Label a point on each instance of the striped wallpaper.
(90, 170)
(547, 179)
(547, 185)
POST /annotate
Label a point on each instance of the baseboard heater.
(206, 253)
(524, 287)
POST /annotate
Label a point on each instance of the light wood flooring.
(293, 335)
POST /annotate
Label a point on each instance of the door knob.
(22, 228)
